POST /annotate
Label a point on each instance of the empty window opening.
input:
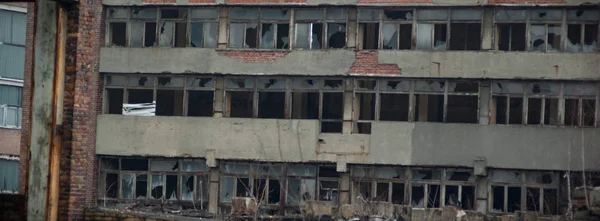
(382, 192)
(582, 37)
(572, 112)
(180, 35)
(331, 127)
(574, 37)
(169, 103)
(533, 199)
(114, 99)
(118, 35)
(141, 186)
(156, 190)
(134, 164)
(369, 35)
(434, 197)
(465, 36)
(111, 185)
(534, 111)
(589, 112)
(515, 114)
(333, 109)
(397, 36)
(431, 37)
(274, 191)
(467, 197)
(511, 37)
(305, 105)
(418, 195)
(590, 38)
(452, 196)
(398, 193)
(150, 34)
(240, 104)
(243, 187)
(394, 107)
(200, 103)
(336, 35)
(550, 202)
(363, 128)
(498, 199)
(514, 199)
(366, 106)
(137, 96)
(551, 111)
(364, 191)
(429, 108)
(271, 105)
(462, 109)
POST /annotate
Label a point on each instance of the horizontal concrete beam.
(392, 143)
(364, 3)
(450, 64)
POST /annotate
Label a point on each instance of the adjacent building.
(12, 56)
(398, 109)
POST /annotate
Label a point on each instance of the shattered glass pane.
(546, 14)
(390, 36)
(271, 83)
(311, 14)
(424, 36)
(111, 184)
(194, 165)
(240, 83)
(460, 176)
(583, 15)
(369, 14)
(141, 81)
(336, 35)
(299, 170)
(543, 88)
(283, 36)
(510, 14)
(305, 84)
(554, 32)
(337, 13)
(144, 13)
(430, 86)
(236, 168)
(150, 34)
(328, 190)
(269, 170)
(244, 13)
(276, 14)
(504, 176)
(302, 31)
(507, 88)
(538, 38)
(201, 82)
(136, 36)
(540, 178)
(187, 187)
(300, 190)
(165, 34)
(267, 36)
(172, 184)
(117, 13)
(467, 14)
(127, 186)
(109, 163)
(203, 186)
(395, 85)
(210, 34)
(439, 37)
(398, 15)
(170, 81)
(432, 14)
(389, 173)
(205, 13)
(333, 84)
(226, 189)
(426, 174)
(590, 38)
(164, 165)
(418, 195)
(156, 189)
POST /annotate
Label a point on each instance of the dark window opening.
(140, 96)
(169, 103)
(467, 198)
(398, 193)
(440, 36)
(589, 112)
(305, 105)
(172, 184)
(141, 185)
(200, 103)
(180, 35)
(533, 199)
(370, 35)
(150, 34)
(333, 105)
(429, 108)
(452, 196)
(260, 190)
(398, 15)
(550, 202)
(363, 128)
(197, 34)
(271, 105)
(118, 32)
(328, 171)
(242, 187)
(134, 164)
(328, 190)
(366, 106)
(590, 38)
(434, 196)
(111, 185)
(274, 192)
(331, 127)
(514, 199)
(462, 109)
(364, 189)
(571, 112)
(574, 37)
(405, 37)
(283, 36)
(512, 37)
(336, 35)
(394, 107)
(383, 190)
(551, 111)
(110, 163)
(500, 110)
(516, 110)
(417, 196)
(240, 104)
(498, 198)
(114, 99)
(465, 36)
(534, 110)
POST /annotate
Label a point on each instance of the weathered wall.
(452, 64)
(10, 140)
(356, 2)
(399, 143)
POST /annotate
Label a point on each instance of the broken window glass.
(140, 81)
(551, 111)
(451, 196)
(164, 165)
(364, 191)
(166, 32)
(460, 176)
(241, 169)
(538, 38)
(243, 35)
(369, 14)
(111, 184)
(118, 32)
(202, 188)
(127, 186)
(572, 113)
(271, 170)
(309, 35)
(300, 190)
(392, 14)
(389, 173)
(333, 85)
(187, 187)
(198, 82)
(426, 174)
(498, 199)
(424, 36)
(141, 186)
(430, 86)
(131, 164)
(194, 165)
(226, 189)
(297, 170)
(590, 38)
(172, 187)
(504, 176)
(117, 13)
(546, 14)
(143, 13)
(203, 34)
(418, 195)
(156, 189)
(390, 36)
(328, 190)
(554, 33)
(511, 37)
(109, 164)
(242, 187)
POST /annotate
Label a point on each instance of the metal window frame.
(523, 185)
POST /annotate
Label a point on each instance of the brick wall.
(10, 140)
(528, 2)
(367, 63)
(26, 96)
(12, 207)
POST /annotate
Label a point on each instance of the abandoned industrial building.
(308, 109)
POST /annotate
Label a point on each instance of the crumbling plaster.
(396, 143)
(452, 64)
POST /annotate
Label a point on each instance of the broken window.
(311, 24)
(364, 105)
(301, 184)
(111, 185)
(507, 103)
(275, 28)
(465, 29)
(305, 98)
(545, 30)
(243, 28)
(118, 34)
(204, 27)
(368, 28)
(429, 99)
(580, 104)
(381, 184)
(114, 100)
(271, 98)
(127, 183)
(328, 184)
(332, 106)
(582, 30)
(432, 26)
(511, 29)
(240, 98)
(463, 102)
(143, 27)
(459, 189)
(200, 96)
(542, 102)
(425, 192)
(535, 191)
(169, 96)
(172, 27)
(394, 100)
(397, 29)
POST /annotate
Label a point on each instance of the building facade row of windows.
(437, 29)
(12, 44)
(376, 99)
(285, 188)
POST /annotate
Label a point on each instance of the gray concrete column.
(352, 27)
(484, 103)
(348, 107)
(344, 188)
(219, 97)
(487, 35)
(223, 28)
(213, 189)
(482, 194)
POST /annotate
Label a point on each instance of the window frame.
(523, 185)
